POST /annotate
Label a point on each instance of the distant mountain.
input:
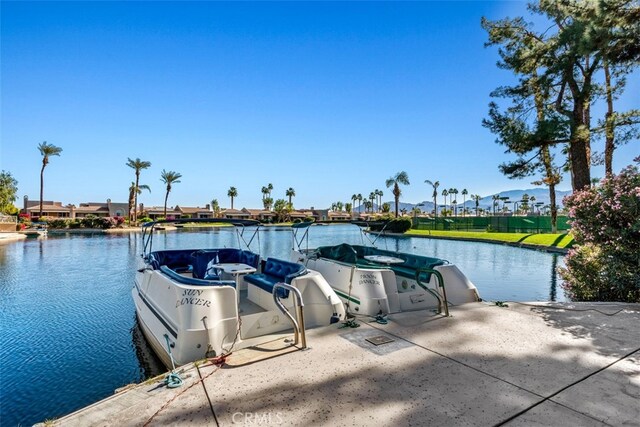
(540, 194)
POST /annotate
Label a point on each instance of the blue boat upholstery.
(191, 281)
(174, 259)
(201, 264)
(276, 271)
(198, 261)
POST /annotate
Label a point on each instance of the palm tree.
(215, 206)
(267, 202)
(380, 194)
(339, 206)
(359, 201)
(495, 199)
(445, 193)
(395, 181)
(137, 165)
(265, 191)
(464, 199)
(270, 188)
(290, 193)
(476, 198)
(354, 197)
(46, 150)
(168, 178)
(132, 195)
(435, 186)
(372, 197)
(232, 193)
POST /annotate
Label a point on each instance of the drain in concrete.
(379, 340)
(375, 342)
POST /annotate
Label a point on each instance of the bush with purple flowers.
(604, 265)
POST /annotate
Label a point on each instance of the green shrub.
(74, 223)
(57, 223)
(604, 265)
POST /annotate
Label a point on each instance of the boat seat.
(174, 259)
(202, 261)
(191, 281)
(276, 271)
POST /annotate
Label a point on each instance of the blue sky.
(328, 98)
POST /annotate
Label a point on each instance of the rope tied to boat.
(173, 379)
(382, 319)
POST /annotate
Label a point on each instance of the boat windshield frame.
(298, 241)
(239, 225)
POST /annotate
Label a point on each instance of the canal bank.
(553, 243)
(521, 364)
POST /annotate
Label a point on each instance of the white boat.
(372, 281)
(38, 229)
(198, 303)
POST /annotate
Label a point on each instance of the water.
(68, 329)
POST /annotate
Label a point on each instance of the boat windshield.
(239, 225)
(300, 231)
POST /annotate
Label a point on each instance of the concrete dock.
(540, 364)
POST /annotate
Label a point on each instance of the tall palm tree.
(359, 201)
(380, 194)
(137, 165)
(233, 192)
(290, 193)
(453, 193)
(354, 197)
(265, 191)
(372, 197)
(270, 188)
(267, 203)
(215, 206)
(445, 193)
(395, 181)
(464, 199)
(47, 150)
(476, 198)
(132, 196)
(169, 178)
(435, 186)
(495, 199)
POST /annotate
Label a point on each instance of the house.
(49, 208)
(53, 209)
(234, 214)
(155, 212)
(338, 216)
(108, 209)
(260, 214)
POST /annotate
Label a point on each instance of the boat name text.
(368, 279)
(188, 298)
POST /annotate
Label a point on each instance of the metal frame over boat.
(198, 303)
(373, 281)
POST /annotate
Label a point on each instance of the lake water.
(68, 328)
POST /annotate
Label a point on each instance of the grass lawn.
(553, 240)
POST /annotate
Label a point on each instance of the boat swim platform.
(545, 364)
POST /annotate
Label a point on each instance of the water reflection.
(554, 278)
(149, 364)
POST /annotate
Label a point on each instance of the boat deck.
(538, 364)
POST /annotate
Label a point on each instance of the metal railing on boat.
(442, 300)
(298, 325)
